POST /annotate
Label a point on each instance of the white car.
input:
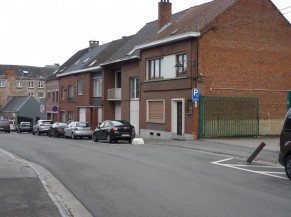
(41, 126)
(78, 129)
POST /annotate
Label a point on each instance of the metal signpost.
(195, 99)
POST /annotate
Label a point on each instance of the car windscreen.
(47, 122)
(25, 124)
(120, 123)
(82, 125)
(59, 124)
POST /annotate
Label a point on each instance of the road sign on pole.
(195, 94)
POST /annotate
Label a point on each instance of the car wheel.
(33, 133)
(90, 137)
(129, 141)
(38, 133)
(19, 131)
(288, 167)
(49, 134)
(73, 136)
(109, 139)
(95, 139)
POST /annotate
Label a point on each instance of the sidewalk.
(238, 147)
(22, 192)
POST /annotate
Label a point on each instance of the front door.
(179, 118)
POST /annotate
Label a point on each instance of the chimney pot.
(93, 44)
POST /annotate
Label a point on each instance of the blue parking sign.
(195, 94)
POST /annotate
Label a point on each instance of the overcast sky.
(45, 32)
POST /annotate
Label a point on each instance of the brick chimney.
(93, 44)
(10, 72)
(165, 13)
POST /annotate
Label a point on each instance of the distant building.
(16, 80)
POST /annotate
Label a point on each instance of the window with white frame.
(40, 94)
(18, 84)
(134, 84)
(155, 69)
(40, 84)
(30, 84)
(181, 63)
(97, 87)
(80, 87)
(2, 83)
(156, 111)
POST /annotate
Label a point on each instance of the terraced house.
(237, 53)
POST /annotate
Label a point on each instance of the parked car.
(41, 126)
(114, 130)
(24, 127)
(4, 125)
(285, 144)
(12, 125)
(57, 129)
(78, 129)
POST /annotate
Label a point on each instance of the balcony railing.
(114, 94)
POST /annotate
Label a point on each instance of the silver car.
(78, 129)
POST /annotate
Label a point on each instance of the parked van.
(4, 125)
(12, 125)
(285, 144)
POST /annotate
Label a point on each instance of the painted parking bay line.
(252, 168)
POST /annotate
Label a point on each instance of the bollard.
(256, 152)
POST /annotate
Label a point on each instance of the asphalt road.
(147, 180)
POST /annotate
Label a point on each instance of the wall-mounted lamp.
(200, 78)
(179, 65)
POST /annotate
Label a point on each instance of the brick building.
(16, 80)
(232, 48)
(228, 49)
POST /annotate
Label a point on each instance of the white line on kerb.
(238, 167)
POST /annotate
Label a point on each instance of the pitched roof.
(195, 19)
(28, 71)
(142, 36)
(15, 103)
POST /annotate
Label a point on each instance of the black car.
(24, 127)
(4, 125)
(57, 129)
(285, 145)
(114, 130)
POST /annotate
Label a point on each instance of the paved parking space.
(272, 170)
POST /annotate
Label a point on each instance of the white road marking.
(241, 167)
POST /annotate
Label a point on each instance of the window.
(156, 111)
(57, 96)
(155, 69)
(53, 96)
(80, 87)
(2, 83)
(63, 116)
(19, 84)
(181, 62)
(97, 87)
(31, 84)
(134, 88)
(64, 90)
(71, 92)
(40, 94)
(40, 84)
(71, 116)
(30, 94)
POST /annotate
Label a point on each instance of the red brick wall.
(248, 58)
